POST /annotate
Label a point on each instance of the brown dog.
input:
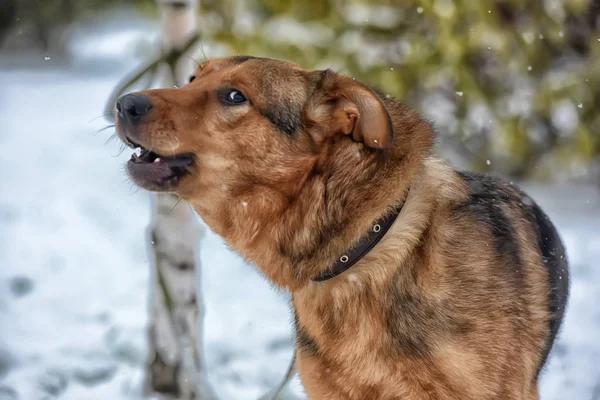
(409, 280)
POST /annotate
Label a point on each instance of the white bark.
(176, 368)
(179, 23)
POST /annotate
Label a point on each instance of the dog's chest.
(349, 346)
(369, 375)
(341, 319)
(340, 339)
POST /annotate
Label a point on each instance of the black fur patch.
(304, 342)
(555, 262)
(487, 194)
(241, 59)
(284, 115)
(488, 197)
(405, 320)
(411, 321)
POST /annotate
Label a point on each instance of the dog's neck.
(295, 238)
(436, 188)
(356, 253)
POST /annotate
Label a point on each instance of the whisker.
(173, 148)
(121, 150)
(133, 189)
(111, 138)
(132, 185)
(103, 129)
(101, 116)
(203, 52)
(196, 61)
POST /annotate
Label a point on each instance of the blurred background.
(512, 86)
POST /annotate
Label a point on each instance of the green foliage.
(531, 68)
(512, 85)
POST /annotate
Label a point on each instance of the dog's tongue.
(156, 170)
(149, 166)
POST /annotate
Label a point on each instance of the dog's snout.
(132, 107)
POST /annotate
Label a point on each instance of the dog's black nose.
(132, 107)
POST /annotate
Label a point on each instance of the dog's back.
(487, 193)
(555, 261)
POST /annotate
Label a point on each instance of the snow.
(74, 273)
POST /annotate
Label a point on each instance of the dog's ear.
(354, 109)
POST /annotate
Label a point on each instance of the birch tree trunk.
(176, 367)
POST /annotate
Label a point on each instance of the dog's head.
(280, 161)
(245, 120)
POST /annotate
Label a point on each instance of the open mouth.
(154, 171)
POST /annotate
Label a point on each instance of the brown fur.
(444, 307)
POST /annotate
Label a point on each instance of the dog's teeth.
(157, 159)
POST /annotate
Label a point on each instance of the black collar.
(353, 255)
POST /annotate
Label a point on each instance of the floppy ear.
(357, 111)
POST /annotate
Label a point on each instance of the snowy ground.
(74, 273)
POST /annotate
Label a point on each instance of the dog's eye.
(234, 97)
(191, 78)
